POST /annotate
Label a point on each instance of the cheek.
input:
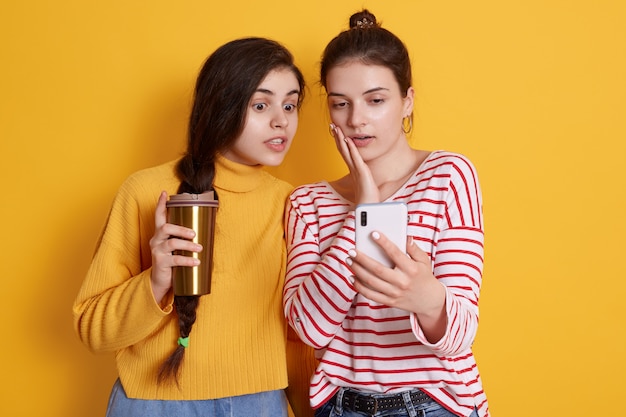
(386, 117)
(246, 138)
(293, 125)
(337, 117)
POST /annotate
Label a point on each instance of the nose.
(279, 119)
(356, 117)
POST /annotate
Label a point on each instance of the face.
(271, 121)
(365, 101)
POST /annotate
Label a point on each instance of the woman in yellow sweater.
(233, 362)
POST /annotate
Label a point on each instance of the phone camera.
(363, 218)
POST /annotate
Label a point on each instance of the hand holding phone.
(390, 219)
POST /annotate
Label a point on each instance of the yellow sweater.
(237, 345)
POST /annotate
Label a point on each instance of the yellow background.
(533, 91)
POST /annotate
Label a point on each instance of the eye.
(339, 104)
(376, 99)
(259, 106)
(289, 107)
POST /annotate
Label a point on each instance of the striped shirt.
(372, 347)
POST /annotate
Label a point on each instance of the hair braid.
(186, 310)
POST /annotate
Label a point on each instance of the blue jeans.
(428, 409)
(263, 404)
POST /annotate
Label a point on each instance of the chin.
(272, 163)
(273, 160)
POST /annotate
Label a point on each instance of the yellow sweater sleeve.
(115, 307)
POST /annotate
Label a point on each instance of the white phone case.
(390, 219)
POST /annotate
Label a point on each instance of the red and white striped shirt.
(372, 347)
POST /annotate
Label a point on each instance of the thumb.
(415, 252)
(160, 214)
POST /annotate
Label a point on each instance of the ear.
(408, 102)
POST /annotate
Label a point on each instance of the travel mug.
(197, 212)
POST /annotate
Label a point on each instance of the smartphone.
(390, 219)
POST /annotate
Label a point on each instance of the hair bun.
(363, 19)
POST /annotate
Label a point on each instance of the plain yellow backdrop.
(533, 92)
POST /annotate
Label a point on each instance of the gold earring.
(406, 129)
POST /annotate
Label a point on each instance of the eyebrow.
(271, 93)
(371, 90)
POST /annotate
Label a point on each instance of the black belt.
(370, 404)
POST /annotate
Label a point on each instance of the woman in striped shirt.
(390, 341)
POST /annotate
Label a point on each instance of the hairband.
(183, 341)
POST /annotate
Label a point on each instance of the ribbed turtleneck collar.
(236, 177)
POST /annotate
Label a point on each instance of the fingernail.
(375, 235)
(332, 126)
(352, 253)
(349, 261)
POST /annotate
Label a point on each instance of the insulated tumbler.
(197, 212)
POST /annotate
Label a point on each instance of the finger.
(397, 255)
(347, 147)
(374, 287)
(180, 260)
(342, 145)
(367, 271)
(370, 273)
(370, 293)
(174, 230)
(160, 214)
(353, 151)
(174, 244)
(161, 222)
(366, 188)
(415, 252)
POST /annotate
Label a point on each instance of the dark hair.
(226, 82)
(366, 41)
(225, 85)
